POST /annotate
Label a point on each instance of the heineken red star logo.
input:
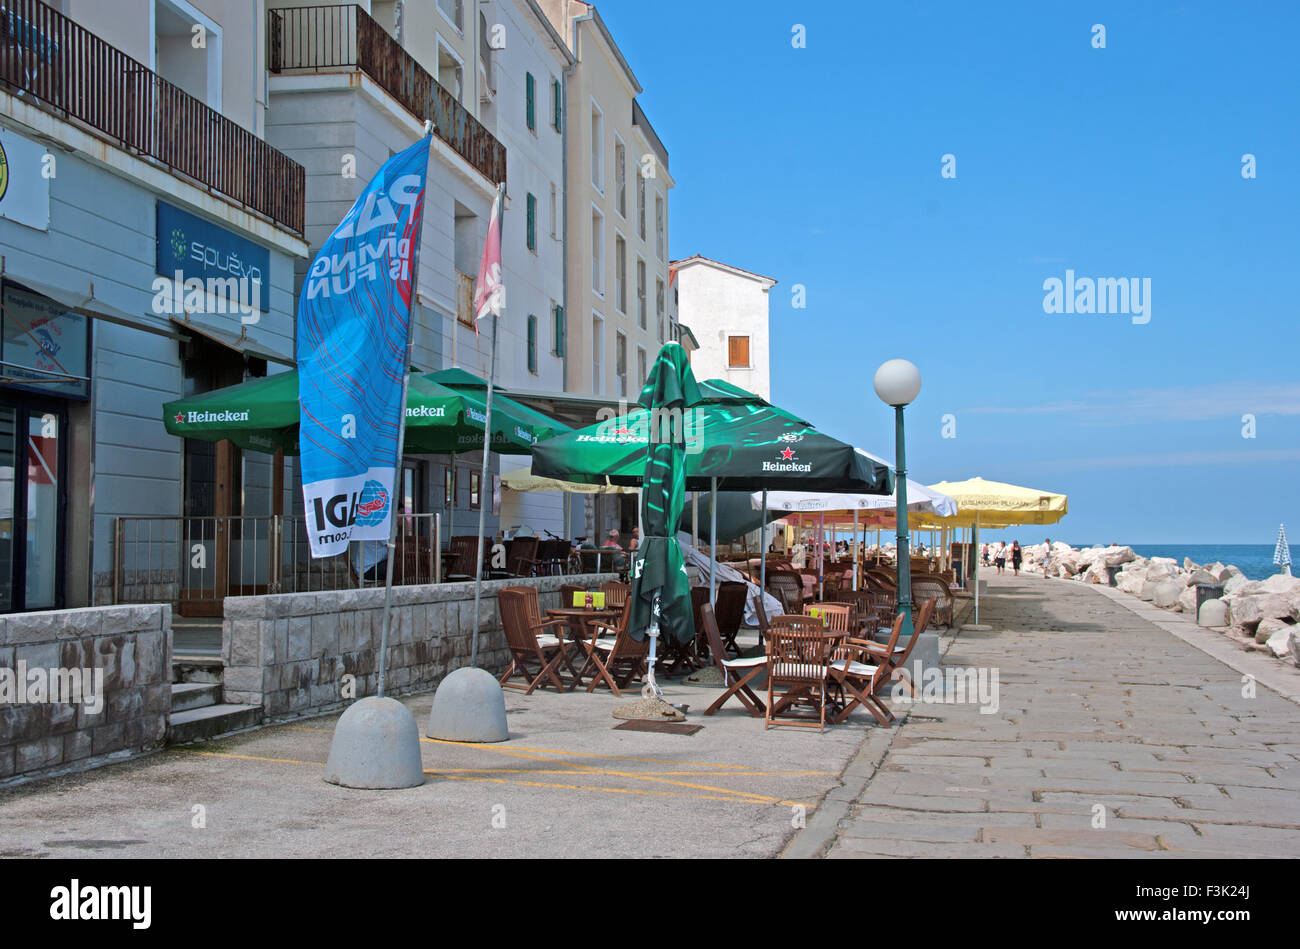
(787, 454)
(180, 417)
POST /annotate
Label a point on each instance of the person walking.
(984, 555)
(1000, 557)
(1016, 556)
(1047, 555)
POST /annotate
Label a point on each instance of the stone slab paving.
(1114, 737)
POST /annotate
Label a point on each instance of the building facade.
(148, 240)
(726, 310)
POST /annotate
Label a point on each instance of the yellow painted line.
(226, 754)
(637, 791)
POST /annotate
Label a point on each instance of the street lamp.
(898, 383)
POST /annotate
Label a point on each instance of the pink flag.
(489, 290)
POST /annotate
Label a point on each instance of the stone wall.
(290, 652)
(129, 645)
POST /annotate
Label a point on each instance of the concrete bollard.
(377, 746)
(469, 706)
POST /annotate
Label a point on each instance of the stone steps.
(187, 696)
(211, 721)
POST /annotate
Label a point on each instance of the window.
(532, 344)
(174, 56)
(640, 367)
(530, 101)
(620, 177)
(737, 352)
(597, 252)
(532, 222)
(559, 330)
(659, 226)
(451, 72)
(597, 148)
(640, 292)
(454, 11)
(620, 363)
(597, 354)
(449, 487)
(620, 273)
(659, 306)
(640, 205)
(474, 494)
(557, 105)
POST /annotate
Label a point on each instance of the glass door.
(32, 506)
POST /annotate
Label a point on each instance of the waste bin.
(1111, 573)
(1207, 591)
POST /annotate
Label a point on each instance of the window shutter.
(738, 352)
(530, 90)
(559, 330)
(558, 100)
(532, 222)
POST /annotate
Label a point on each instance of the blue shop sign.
(198, 249)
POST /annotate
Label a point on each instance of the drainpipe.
(564, 173)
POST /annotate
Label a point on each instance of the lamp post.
(898, 383)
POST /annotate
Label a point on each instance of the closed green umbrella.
(661, 590)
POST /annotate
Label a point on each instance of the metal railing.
(196, 562)
(57, 65)
(318, 38)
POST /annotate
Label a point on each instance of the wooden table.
(577, 618)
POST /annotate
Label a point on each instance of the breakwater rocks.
(1260, 615)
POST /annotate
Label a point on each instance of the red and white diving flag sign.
(490, 289)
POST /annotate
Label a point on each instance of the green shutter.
(532, 343)
(530, 88)
(559, 330)
(558, 102)
(532, 222)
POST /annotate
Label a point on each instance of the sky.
(822, 167)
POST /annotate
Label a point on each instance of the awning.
(82, 299)
(240, 342)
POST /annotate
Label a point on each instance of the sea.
(1254, 560)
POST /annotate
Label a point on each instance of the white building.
(726, 310)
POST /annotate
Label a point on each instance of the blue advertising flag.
(354, 316)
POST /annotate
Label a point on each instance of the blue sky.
(821, 166)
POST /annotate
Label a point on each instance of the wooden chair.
(522, 559)
(615, 593)
(893, 657)
(857, 675)
(613, 656)
(462, 555)
(798, 661)
(529, 648)
(761, 612)
(836, 616)
(729, 613)
(739, 670)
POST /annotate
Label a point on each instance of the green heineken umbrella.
(661, 589)
(459, 380)
(262, 415)
(732, 436)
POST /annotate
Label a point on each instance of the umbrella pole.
(695, 519)
(482, 480)
(451, 511)
(855, 549)
(977, 570)
(762, 551)
(392, 524)
(651, 688)
(713, 537)
(821, 558)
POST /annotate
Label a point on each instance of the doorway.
(33, 504)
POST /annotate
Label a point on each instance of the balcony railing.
(324, 38)
(52, 62)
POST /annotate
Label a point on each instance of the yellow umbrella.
(994, 504)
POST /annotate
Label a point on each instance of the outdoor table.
(577, 618)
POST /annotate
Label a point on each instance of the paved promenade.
(1113, 738)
